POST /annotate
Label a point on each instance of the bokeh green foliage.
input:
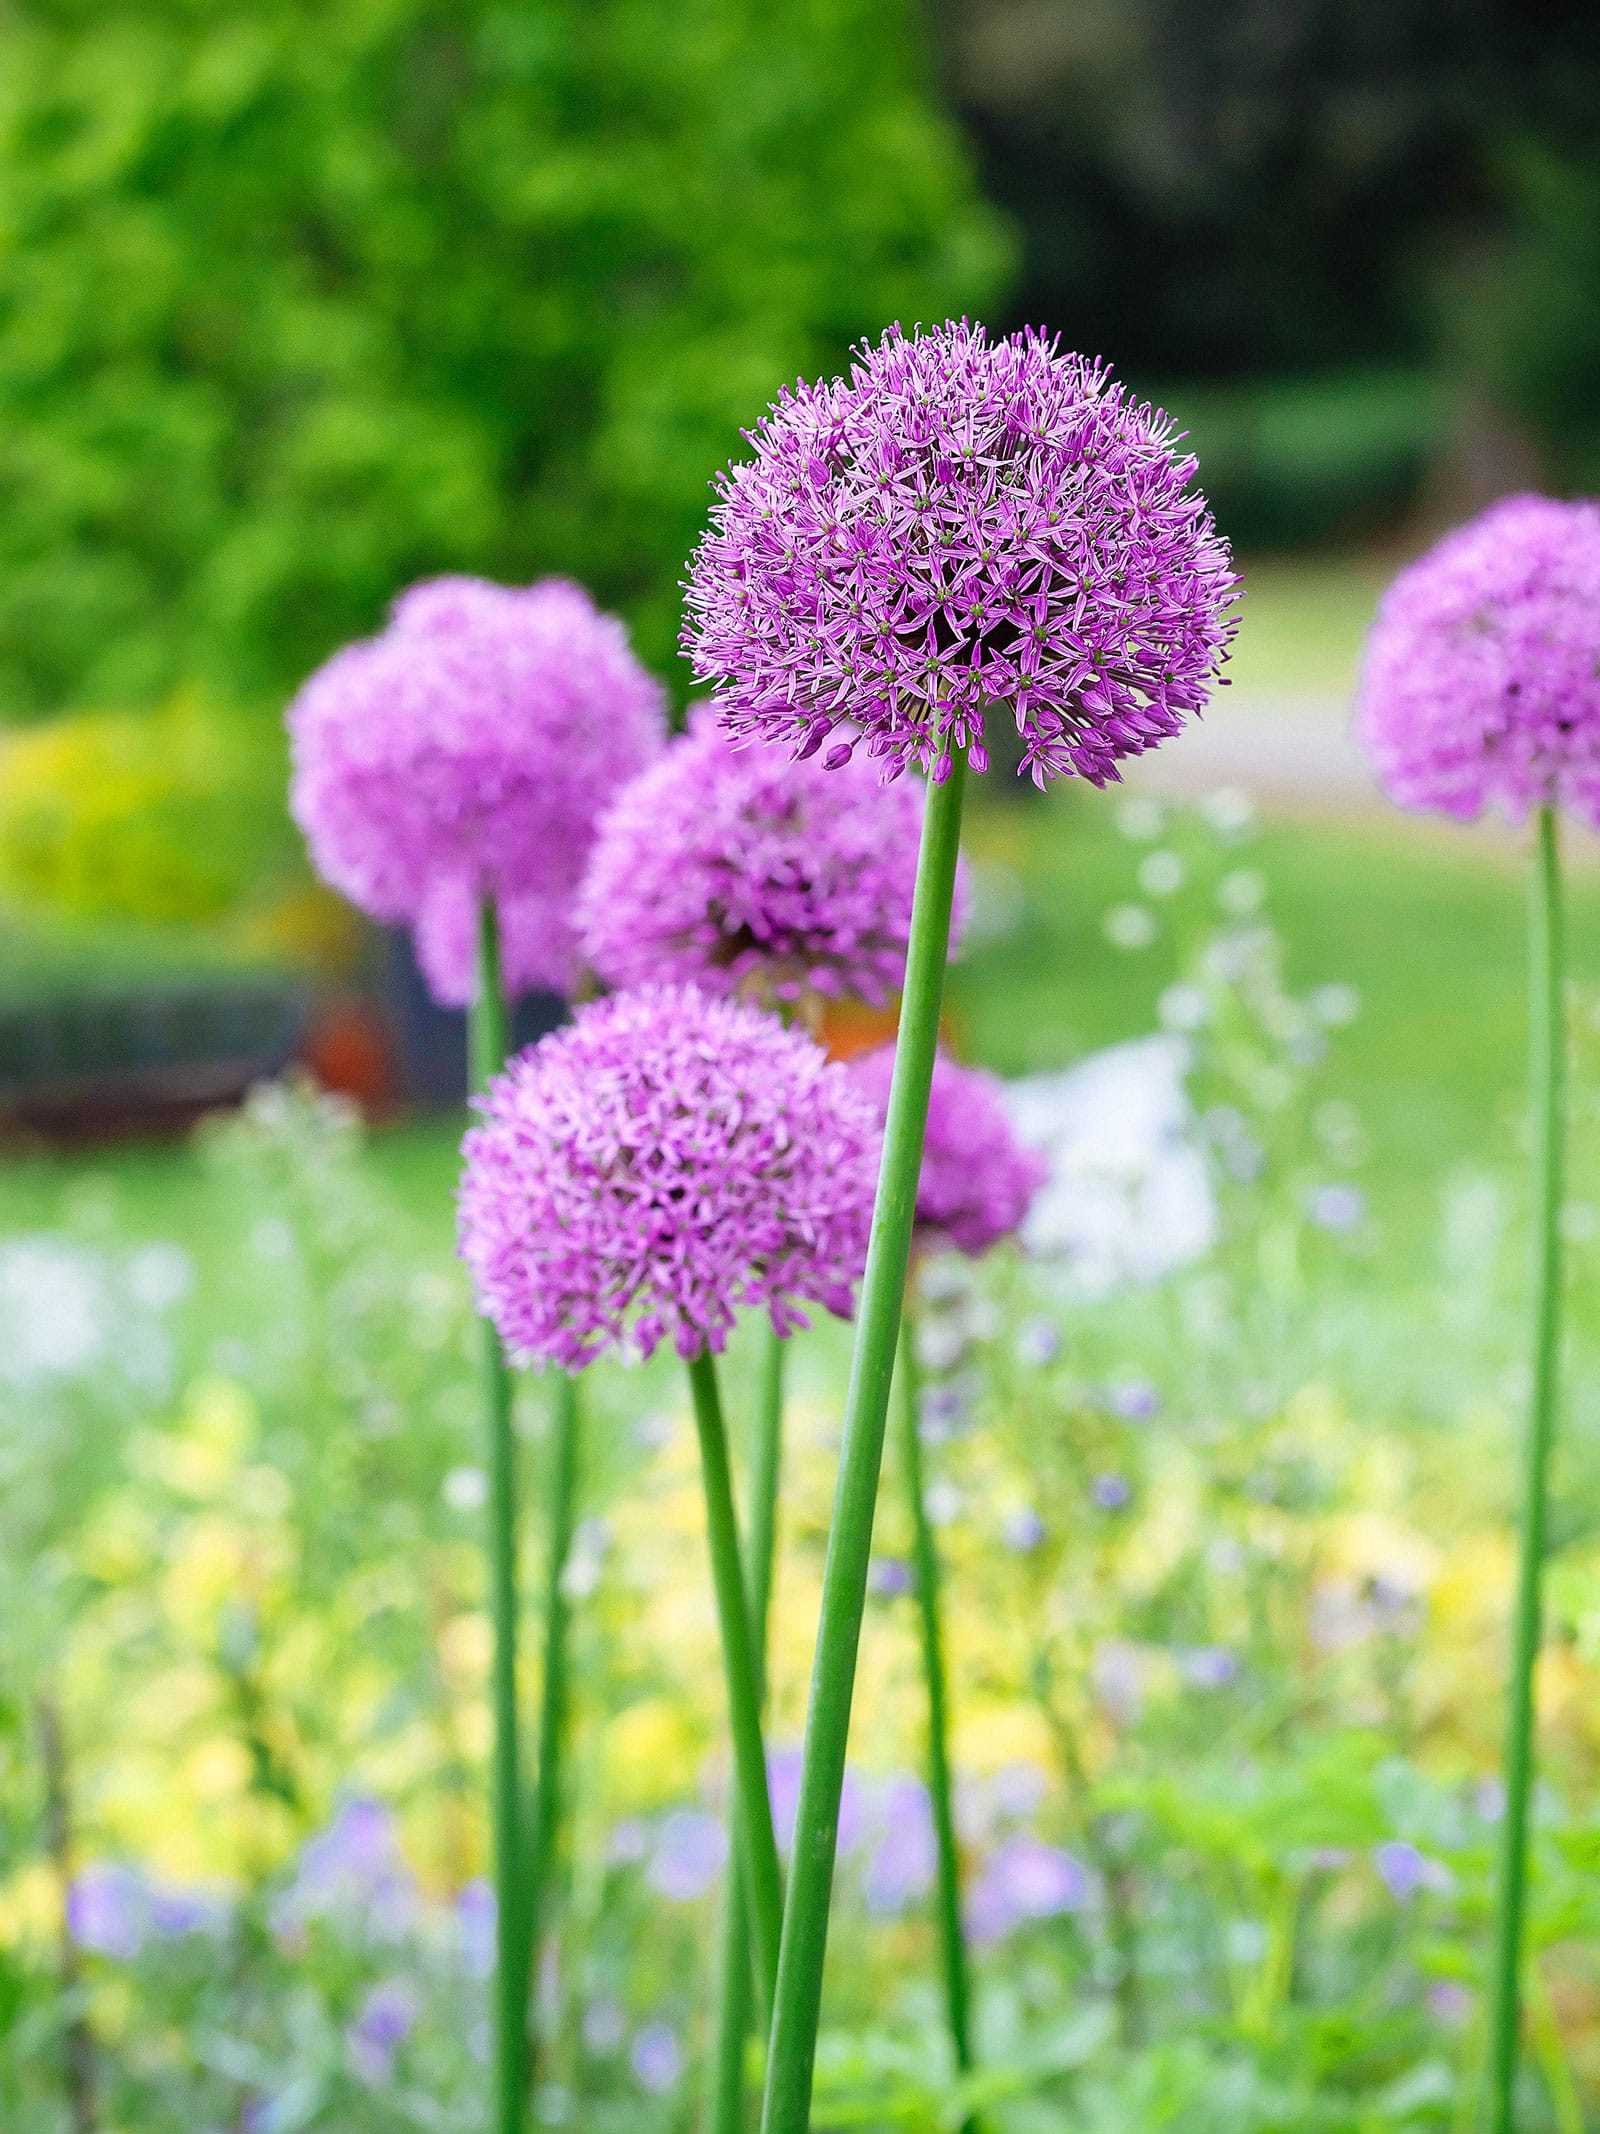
(298, 302)
(174, 817)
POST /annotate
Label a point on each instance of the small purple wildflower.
(1449, 2002)
(961, 525)
(1134, 1400)
(108, 1910)
(1111, 1493)
(783, 1784)
(1022, 1530)
(1023, 1879)
(1481, 685)
(977, 1179)
(1337, 1208)
(1038, 1342)
(889, 1576)
(467, 750)
(742, 872)
(476, 1912)
(1209, 1667)
(690, 1851)
(663, 1160)
(901, 1865)
(387, 2018)
(656, 2058)
(1405, 1870)
(353, 1867)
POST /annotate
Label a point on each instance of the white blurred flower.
(1242, 893)
(1130, 926)
(466, 1488)
(1161, 874)
(1183, 1007)
(56, 1315)
(1129, 1197)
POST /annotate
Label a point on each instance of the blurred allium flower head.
(467, 750)
(977, 1179)
(1481, 684)
(663, 1160)
(962, 526)
(743, 872)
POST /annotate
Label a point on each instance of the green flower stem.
(925, 1567)
(758, 1848)
(725, 2097)
(487, 1047)
(1546, 1051)
(786, 2107)
(546, 1817)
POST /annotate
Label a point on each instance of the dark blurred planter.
(142, 1059)
(430, 1041)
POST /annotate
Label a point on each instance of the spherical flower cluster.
(962, 526)
(1481, 684)
(977, 1179)
(744, 872)
(466, 751)
(663, 1160)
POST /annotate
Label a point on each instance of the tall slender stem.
(786, 2107)
(1547, 1044)
(487, 1045)
(725, 2097)
(758, 1847)
(546, 1818)
(925, 1565)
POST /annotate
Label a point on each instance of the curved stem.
(758, 1847)
(925, 1565)
(487, 1046)
(725, 2096)
(786, 2108)
(1547, 1047)
(546, 1819)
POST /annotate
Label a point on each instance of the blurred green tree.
(300, 301)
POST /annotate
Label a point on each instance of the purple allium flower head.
(466, 750)
(961, 525)
(743, 872)
(538, 943)
(977, 1179)
(1481, 684)
(661, 1161)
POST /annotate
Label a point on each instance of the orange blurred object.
(348, 1050)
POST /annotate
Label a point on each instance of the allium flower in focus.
(1481, 684)
(465, 751)
(958, 528)
(740, 871)
(662, 1161)
(977, 1179)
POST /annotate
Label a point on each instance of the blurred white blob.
(56, 1309)
(1129, 1197)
